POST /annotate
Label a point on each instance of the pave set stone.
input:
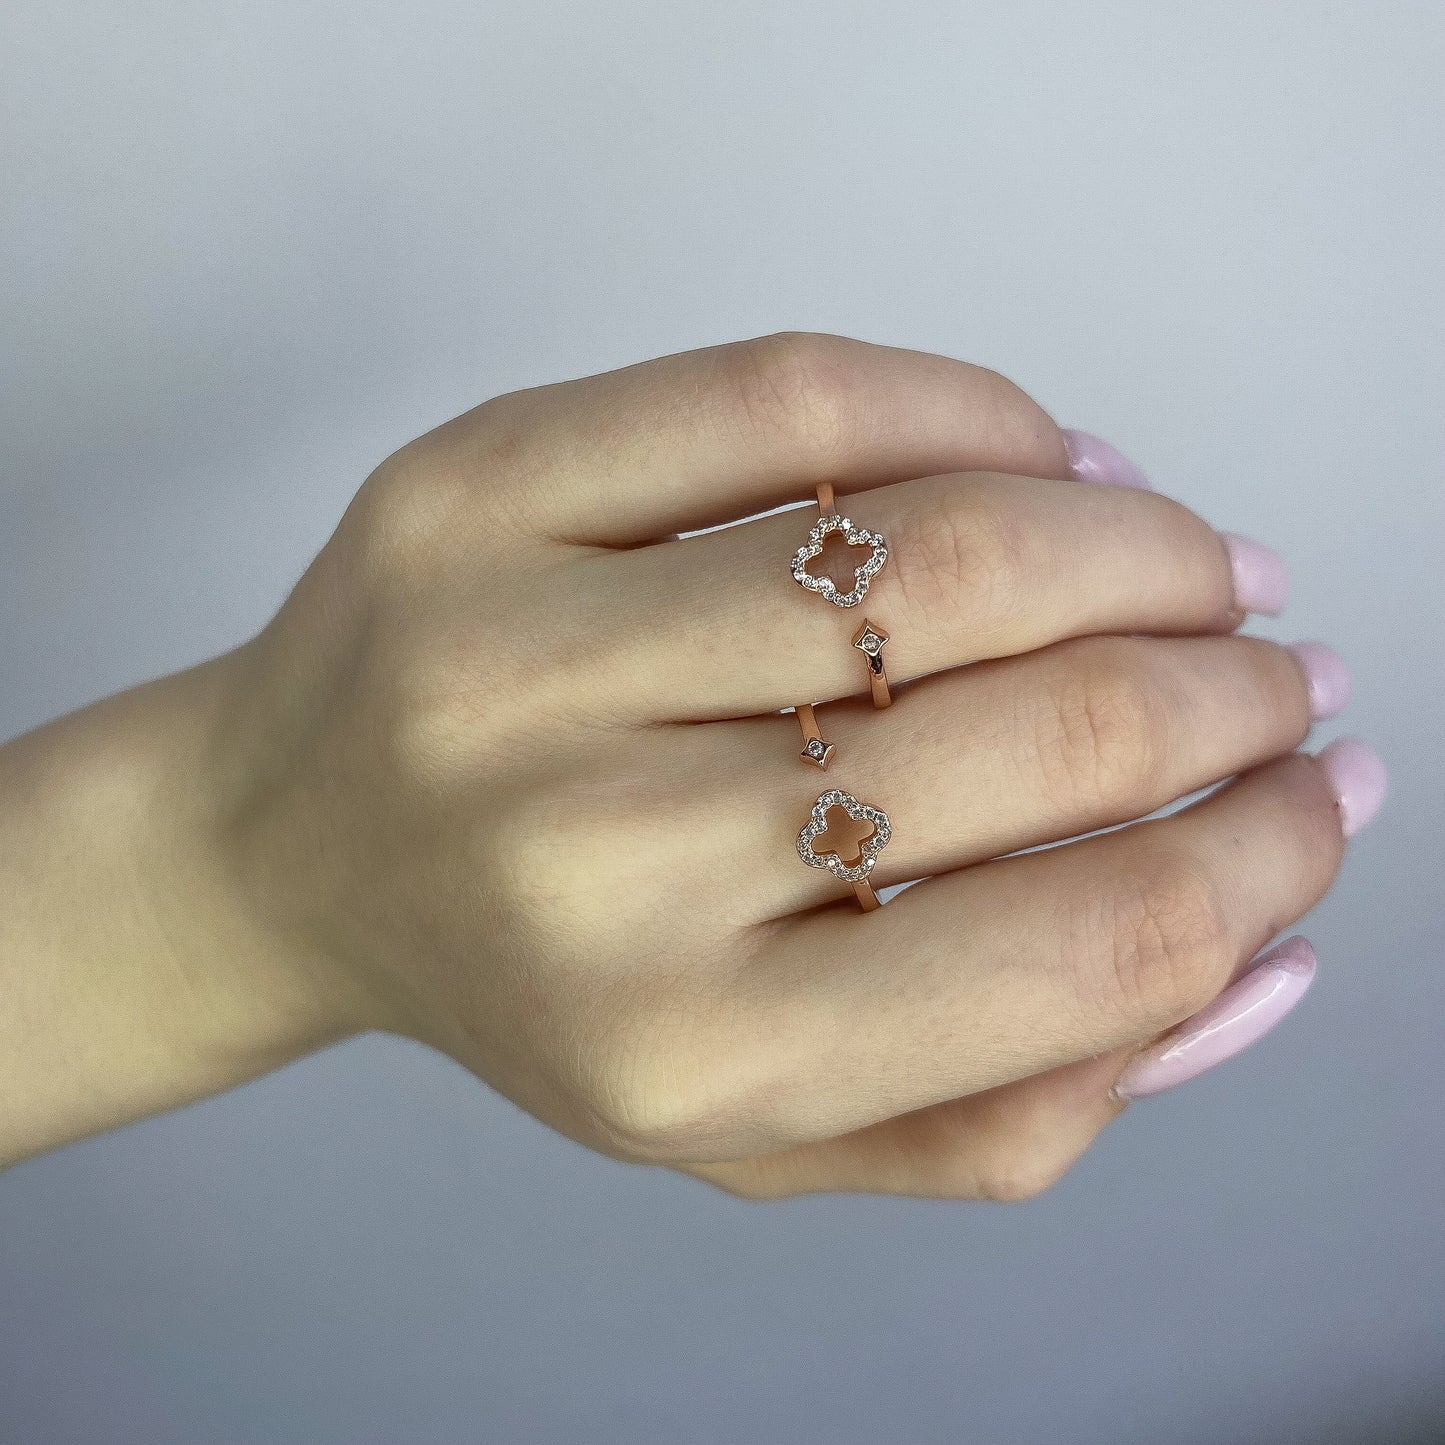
(863, 574)
(870, 847)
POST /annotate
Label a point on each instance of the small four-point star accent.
(817, 751)
(869, 639)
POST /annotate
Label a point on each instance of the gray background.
(250, 248)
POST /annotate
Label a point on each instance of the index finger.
(705, 437)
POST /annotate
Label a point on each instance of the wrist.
(136, 977)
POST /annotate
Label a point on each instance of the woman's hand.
(508, 774)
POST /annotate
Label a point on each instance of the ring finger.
(987, 760)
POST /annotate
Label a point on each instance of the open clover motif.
(870, 847)
(863, 574)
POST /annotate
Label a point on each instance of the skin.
(506, 774)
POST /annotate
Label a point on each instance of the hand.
(508, 772)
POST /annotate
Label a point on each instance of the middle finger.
(980, 566)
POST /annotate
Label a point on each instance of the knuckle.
(669, 1080)
(439, 721)
(425, 743)
(796, 387)
(1167, 946)
(1104, 731)
(490, 465)
(558, 872)
(1018, 1177)
(527, 848)
(647, 1108)
(406, 507)
(1007, 415)
(962, 553)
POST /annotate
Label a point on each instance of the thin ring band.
(870, 639)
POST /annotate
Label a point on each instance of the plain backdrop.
(248, 249)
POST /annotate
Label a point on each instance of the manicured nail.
(1327, 677)
(1359, 779)
(1092, 459)
(1261, 580)
(1244, 1013)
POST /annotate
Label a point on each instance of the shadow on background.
(1411, 1416)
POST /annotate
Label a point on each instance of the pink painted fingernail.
(1358, 777)
(1261, 580)
(1244, 1013)
(1092, 459)
(1326, 676)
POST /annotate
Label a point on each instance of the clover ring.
(845, 837)
(869, 639)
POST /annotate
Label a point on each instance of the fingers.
(981, 977)
(1008, 1144)
(1015, 1141)
(987, 760)
(979, 566)
(709, 436)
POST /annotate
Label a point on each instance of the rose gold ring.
(870, 639)
(845, 837)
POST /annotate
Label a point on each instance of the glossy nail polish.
(1092, 459)
(1358, 777)
(1247, 1010)
(1261, 580)
(1326, 676)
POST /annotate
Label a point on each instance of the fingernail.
(1326, 676)
(1261, 580)
(1244, 1013)
(1092, 459)
(1358, 777)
